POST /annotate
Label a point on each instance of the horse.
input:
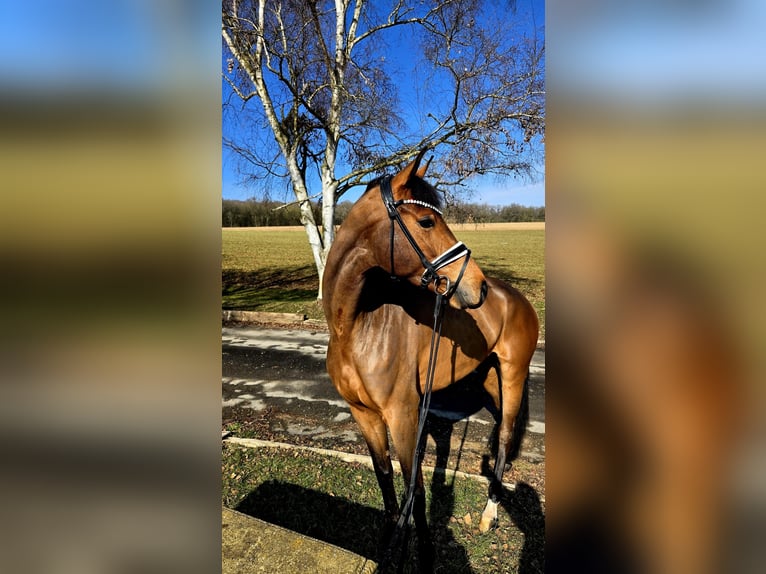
(392, 257)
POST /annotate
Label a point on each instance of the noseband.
(442, 285)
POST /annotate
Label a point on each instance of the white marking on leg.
(489, 516)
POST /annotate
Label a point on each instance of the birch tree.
(320, 76)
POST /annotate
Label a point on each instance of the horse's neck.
(347, 272)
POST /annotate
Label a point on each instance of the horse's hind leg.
(374, 431)
(511, 390)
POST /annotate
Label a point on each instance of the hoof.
(487, 524)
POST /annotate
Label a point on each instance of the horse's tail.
(521, 422)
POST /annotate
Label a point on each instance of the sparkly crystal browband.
(421, 203)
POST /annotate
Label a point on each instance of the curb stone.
(355, 458)
(250, 546)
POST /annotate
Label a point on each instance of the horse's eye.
(426, 222)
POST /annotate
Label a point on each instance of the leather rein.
(444, 289)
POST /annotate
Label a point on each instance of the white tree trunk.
(328, 223)
(307, 219)
(315, 241)
(318, 247)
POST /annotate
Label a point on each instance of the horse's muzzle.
(469, 300)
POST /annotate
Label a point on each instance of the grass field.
(340, 503)
(272, 269)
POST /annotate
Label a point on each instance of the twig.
(298, 202)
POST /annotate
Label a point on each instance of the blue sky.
(642, 50)
(138, 48)
(656, 52)
(82, 45)
(488, 190)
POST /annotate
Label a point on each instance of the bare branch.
(328, 97)
(243, 97)
(299, 202)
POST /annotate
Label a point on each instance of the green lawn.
(273, 269)
(340, 503)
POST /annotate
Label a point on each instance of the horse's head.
(418, 246)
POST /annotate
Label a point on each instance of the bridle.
(444, 289)
(442, 284)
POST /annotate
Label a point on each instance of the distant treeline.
(483, 213)
(262, 213)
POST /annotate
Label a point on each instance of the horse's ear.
(408, 172)
(422, 171)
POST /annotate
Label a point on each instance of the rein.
(425, 403)
(443, 289)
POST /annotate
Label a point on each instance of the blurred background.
(110, 250)
(655, 274)
(110, 247)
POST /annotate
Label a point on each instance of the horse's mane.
(420, 188)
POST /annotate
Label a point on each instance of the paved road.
(276, 387)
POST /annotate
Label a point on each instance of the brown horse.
(381, 327)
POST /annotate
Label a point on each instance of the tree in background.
(326, 92)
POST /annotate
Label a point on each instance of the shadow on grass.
(523, 284)
(289, 284)
(255, 289)
(354, 527)
(523, 506)
(461, 400)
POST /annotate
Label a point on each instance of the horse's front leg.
(512, 427)
(403, 430)
(374, 431)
